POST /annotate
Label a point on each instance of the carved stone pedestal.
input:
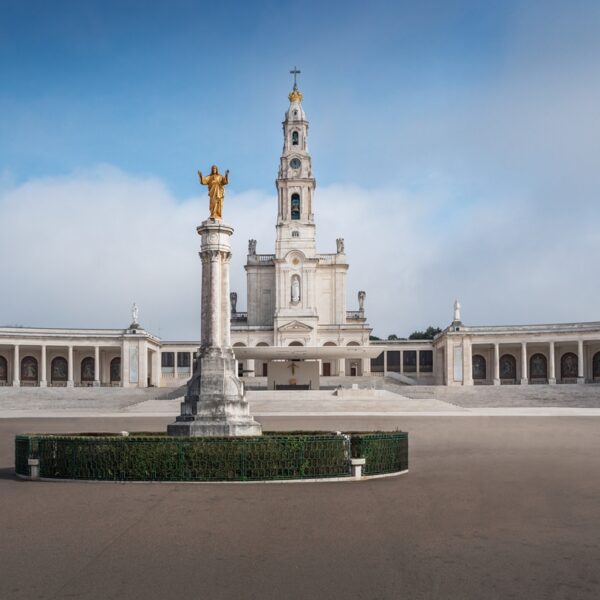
(214, 403)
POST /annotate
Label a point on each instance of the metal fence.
(385, 452)
(159, 457)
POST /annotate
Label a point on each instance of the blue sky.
(468, 132)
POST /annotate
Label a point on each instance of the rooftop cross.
(295, 72)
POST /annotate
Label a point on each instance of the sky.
(456, 147)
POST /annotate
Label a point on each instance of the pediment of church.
(296, 327)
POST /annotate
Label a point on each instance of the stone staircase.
(566, 395)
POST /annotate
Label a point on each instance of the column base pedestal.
(16, 383)
(581, 380)
(496, 382)
(214, 405)
(70, 384)
(43, 384)
(552, 381)
(524, 381)
(96, 384)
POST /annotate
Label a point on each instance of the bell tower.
(295, 183)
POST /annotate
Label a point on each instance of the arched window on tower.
(294, 138)
(295, 214)
(295, 234)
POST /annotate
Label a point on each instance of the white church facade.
(297, 331)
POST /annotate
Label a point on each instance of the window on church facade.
(183, 359)
(295, 234)
(294, 138)
(426, 361)
(167, 359)
(409, 361)
(295, 207)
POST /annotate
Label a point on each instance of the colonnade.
(29, 365)
(524, 362)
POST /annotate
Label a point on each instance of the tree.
(393, 336)
(428, 334)
(374, 338)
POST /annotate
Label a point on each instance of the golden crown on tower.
(295, 95)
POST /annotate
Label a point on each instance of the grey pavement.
(492, 508)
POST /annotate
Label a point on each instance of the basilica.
(297, 331)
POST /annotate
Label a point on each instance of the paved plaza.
(498, 507)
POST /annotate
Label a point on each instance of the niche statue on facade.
(295, 289)
(252, 247)
(340, 245)
(233, 301)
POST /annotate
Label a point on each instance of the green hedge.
(147, 456)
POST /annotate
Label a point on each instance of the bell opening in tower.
(295, 213)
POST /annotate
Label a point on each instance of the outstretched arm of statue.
(202, 180)
(226, 179)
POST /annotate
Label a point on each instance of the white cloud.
(77, 251)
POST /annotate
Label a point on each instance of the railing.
(327, 259)
(354, 315)
(262, 258)
(239, 316)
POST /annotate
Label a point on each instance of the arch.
(115, 370)
(352, 344)
(3, 369)
(295, 207)
(479, 367)
(569, 365)
(87, 369)
(596, 366)
(295, 233)
(295, 343)
(538, 366)
(262, 344)
(329, 344)
(29, 369)
(295, 138)
(59, 370)
(508, 367)
(239, 345)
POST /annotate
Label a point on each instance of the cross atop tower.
(295, 72)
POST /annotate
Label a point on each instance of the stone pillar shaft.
(496, 364)
(70, 382)
(524, 373)
(16, 367)
(552, 364)
(96, 365)
(580, 362)
(43, 380)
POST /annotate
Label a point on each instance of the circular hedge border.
(145, 456)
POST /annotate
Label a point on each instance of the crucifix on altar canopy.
(293, 367)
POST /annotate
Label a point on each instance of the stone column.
(96, 366)
(70, 382)
(384, 362)
(43, 380)
(366, 366)
(16, 367)
(401, 361)
(214, 403)
(551, 364)
(191, 363)
(467, 362)
(418, 365)
(524, 373)
(580, 362)
(496, 364)
(342, 367)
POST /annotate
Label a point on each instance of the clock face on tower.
(295, 163)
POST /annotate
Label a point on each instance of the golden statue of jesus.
(216, 190)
